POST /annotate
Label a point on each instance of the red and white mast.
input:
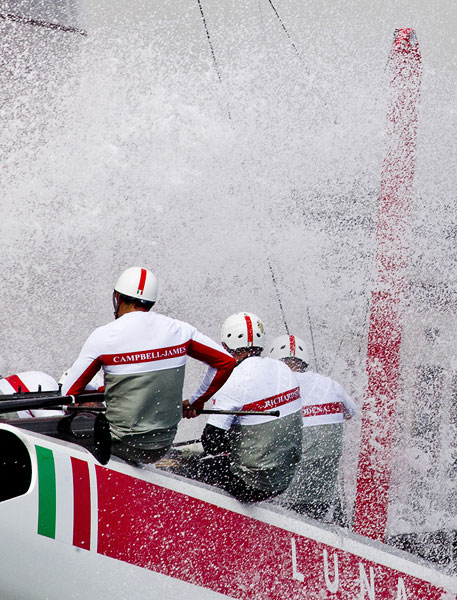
(385, 331)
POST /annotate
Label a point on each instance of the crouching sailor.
(257, 454)
(143, 356)
(29, 381)
(325, 405)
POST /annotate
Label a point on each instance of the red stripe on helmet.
(250, 331)
(292, 345)
(17, 383)
(142, 282)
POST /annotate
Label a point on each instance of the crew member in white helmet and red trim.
(325, 405)
(143, 355)
(29, 381)
(257, 454)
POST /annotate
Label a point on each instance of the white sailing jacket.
(143, 356)
(265, 449)
(324, 401)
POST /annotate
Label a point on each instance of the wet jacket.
(264, 450)
(143, 356)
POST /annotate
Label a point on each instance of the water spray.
(213, 54)
(284, 28)
(43, 24)
(275, 283)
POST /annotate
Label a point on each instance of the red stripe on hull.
(81, 511)
(203, 544)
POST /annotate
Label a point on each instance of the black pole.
(31, 400)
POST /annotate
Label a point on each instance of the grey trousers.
(134, 455)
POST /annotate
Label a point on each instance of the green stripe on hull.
(46, 492)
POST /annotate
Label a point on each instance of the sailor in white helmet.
(257, 454)
(29, 381)
(325, 405)
(143, 355)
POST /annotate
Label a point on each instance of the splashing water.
(124, 148)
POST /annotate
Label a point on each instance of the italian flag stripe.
(46, 492)
(55, 518)
(81, 505)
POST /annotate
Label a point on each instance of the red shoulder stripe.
(224, 364)
(79, 385)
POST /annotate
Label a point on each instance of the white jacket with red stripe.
(143, 356)
(265, 449)
(324, 401)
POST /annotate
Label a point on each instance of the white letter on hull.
(401, 590)
(331, 586)
(364, 585)
(295, 573)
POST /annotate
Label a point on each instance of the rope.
(36, 23)
(278, 296)
(216, 66)
(284, 28)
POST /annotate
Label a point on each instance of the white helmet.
(243, 330)
(289, 346)
(138, 283)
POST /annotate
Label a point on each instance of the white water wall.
(117, 149)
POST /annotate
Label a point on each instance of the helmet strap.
(116, 304)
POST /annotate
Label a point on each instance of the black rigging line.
(278, 296)
(284, 28)
(36, 23)
(216, 66)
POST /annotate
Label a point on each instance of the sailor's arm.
(349, 406)
(220, 365)
(84, 368)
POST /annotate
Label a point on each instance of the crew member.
(325, 405)
(257, 454)
(29, 381)
(143, 356)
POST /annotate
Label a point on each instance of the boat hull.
(85, 530)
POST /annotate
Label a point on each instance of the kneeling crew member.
(325, 404)
(259, 453)
(143, 355)
(29, 381)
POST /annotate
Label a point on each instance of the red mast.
(385, 331)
